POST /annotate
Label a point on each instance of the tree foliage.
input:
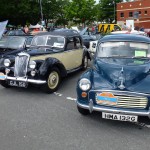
(81, 11)
(21, 12)
(107, 11)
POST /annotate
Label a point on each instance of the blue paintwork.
(105, 75)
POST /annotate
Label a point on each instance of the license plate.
(18, 83)
(120, 117)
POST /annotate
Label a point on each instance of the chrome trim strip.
(23, 53)
(112, 110)
(26, 80)
(116, 91)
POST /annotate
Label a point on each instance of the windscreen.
(123, 49)
(12, 42)
(52, 41)
(16, 42)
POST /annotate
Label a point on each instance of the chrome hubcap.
(53, 80)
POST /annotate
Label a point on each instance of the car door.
(72, 56)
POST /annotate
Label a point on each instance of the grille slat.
(123, 101)
(21, 63)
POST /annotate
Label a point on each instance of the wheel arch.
(50, 63)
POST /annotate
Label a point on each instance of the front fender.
(48, 64)
(87, 75)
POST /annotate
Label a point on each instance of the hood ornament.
(121, 79)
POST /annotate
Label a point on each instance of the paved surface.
(33, 120)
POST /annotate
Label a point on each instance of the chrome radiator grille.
(21, 64)
(132, 102)
(125, 101)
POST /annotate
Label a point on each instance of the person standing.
(26, 29)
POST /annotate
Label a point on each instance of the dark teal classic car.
(118, 84)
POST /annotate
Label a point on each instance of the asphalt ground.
(33, 120)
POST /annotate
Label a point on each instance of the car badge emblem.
(121, 79)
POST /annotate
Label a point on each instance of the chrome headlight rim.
(7, 62)
(32, 64)
(84, 84)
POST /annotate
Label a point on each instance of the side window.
(70, 44)
(77, 42)
(51, 40)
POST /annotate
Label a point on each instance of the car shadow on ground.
(143, 122)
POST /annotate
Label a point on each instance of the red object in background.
(36, 29)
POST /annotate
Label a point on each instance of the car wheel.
(4, 84)
(83, 111)
(85, 63)
(53, 81)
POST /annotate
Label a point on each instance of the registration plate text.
(120, 117)
(17, 83)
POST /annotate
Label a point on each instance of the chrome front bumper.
(91, 108)
(26, 80)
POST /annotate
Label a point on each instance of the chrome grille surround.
(127, 99)
(21, 64)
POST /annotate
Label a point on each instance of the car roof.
(125, 37)
(61, 32)
(18, 36)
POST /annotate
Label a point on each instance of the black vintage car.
(118, 85)
(51, 57)
(87, 37)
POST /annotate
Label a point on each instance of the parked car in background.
(88, 36)
(51, 57)
(106, 28)
(118, 83)
(14, 33)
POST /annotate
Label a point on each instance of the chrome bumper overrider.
(26, 80)
(91, 108)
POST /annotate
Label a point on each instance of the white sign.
(2, 27)
(130, 24)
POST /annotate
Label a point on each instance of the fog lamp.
(33, 73)
(32, 64)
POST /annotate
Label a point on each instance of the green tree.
(81, 11)
(19, 11)
(106, 11)
(54, 10)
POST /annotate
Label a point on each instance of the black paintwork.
(43, 66)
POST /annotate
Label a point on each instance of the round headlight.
(84, 84)
(32, 64)
(7, 62)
